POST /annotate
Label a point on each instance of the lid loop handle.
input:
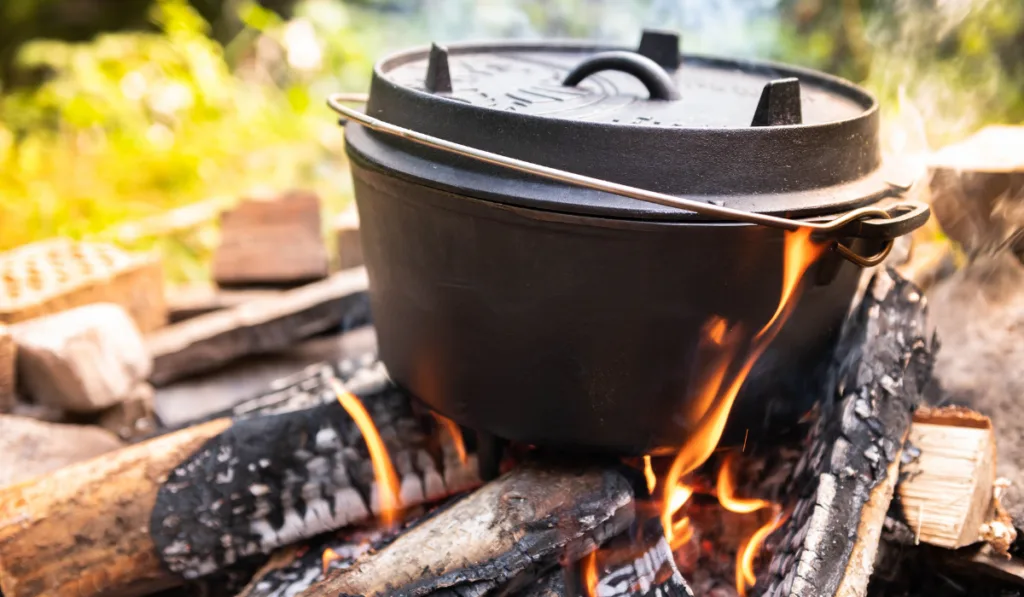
(658, 82)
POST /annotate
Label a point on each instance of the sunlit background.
(114, 112)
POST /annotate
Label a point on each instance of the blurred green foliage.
(132, 124)
(190, 99)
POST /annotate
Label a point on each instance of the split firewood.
(844, 483)
(82, 360)
(498, 538)
(7, 381)
(29, 448)
(947, 490)
(52, 276)
(290, 465)
(346, 233)
(209, 341)
(976, 188)
(271, 242)
(192, 300)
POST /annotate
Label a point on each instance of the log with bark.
(843, 485)
(500, 538)
(286, 466)
(209, 341)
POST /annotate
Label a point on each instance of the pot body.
(581, 332)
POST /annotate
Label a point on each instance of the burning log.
(845, 480)
(287, 466)
(209, 341)
(627, 566)
(499, 538)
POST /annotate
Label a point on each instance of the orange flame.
(652, 480)
(383, 470)
(456, 434)
(588, 568)
(745, 575)
(329, 556)
(799, 254)
(727, 491)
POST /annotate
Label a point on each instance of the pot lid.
(744, 134)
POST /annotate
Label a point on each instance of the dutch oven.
(548, 227)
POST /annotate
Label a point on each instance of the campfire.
(813, 452)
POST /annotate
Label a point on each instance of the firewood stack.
(265, 488)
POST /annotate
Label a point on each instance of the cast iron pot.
(532, 273)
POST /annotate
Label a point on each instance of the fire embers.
(726, 353)
(235, 497)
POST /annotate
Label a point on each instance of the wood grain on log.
(52, 276)
(84, 529)
(844, 482)
(271, 242)
(198, 499)
(209, 341)
(947, 491)
(499, 538)
(7, 381)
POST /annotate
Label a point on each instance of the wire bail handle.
(874, 223)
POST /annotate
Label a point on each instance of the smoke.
(732, 27)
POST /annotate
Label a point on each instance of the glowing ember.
(456, 434)
(745, 576)
(383, 470)
(588, 572)
(652, 481)
(727, 490)
(329, 556)
(713, 400)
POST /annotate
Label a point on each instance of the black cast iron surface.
(558, 316)
(512, 99)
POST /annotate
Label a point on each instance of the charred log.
(285, 467)
(630, 565)
(844, 483)
(500, 538)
